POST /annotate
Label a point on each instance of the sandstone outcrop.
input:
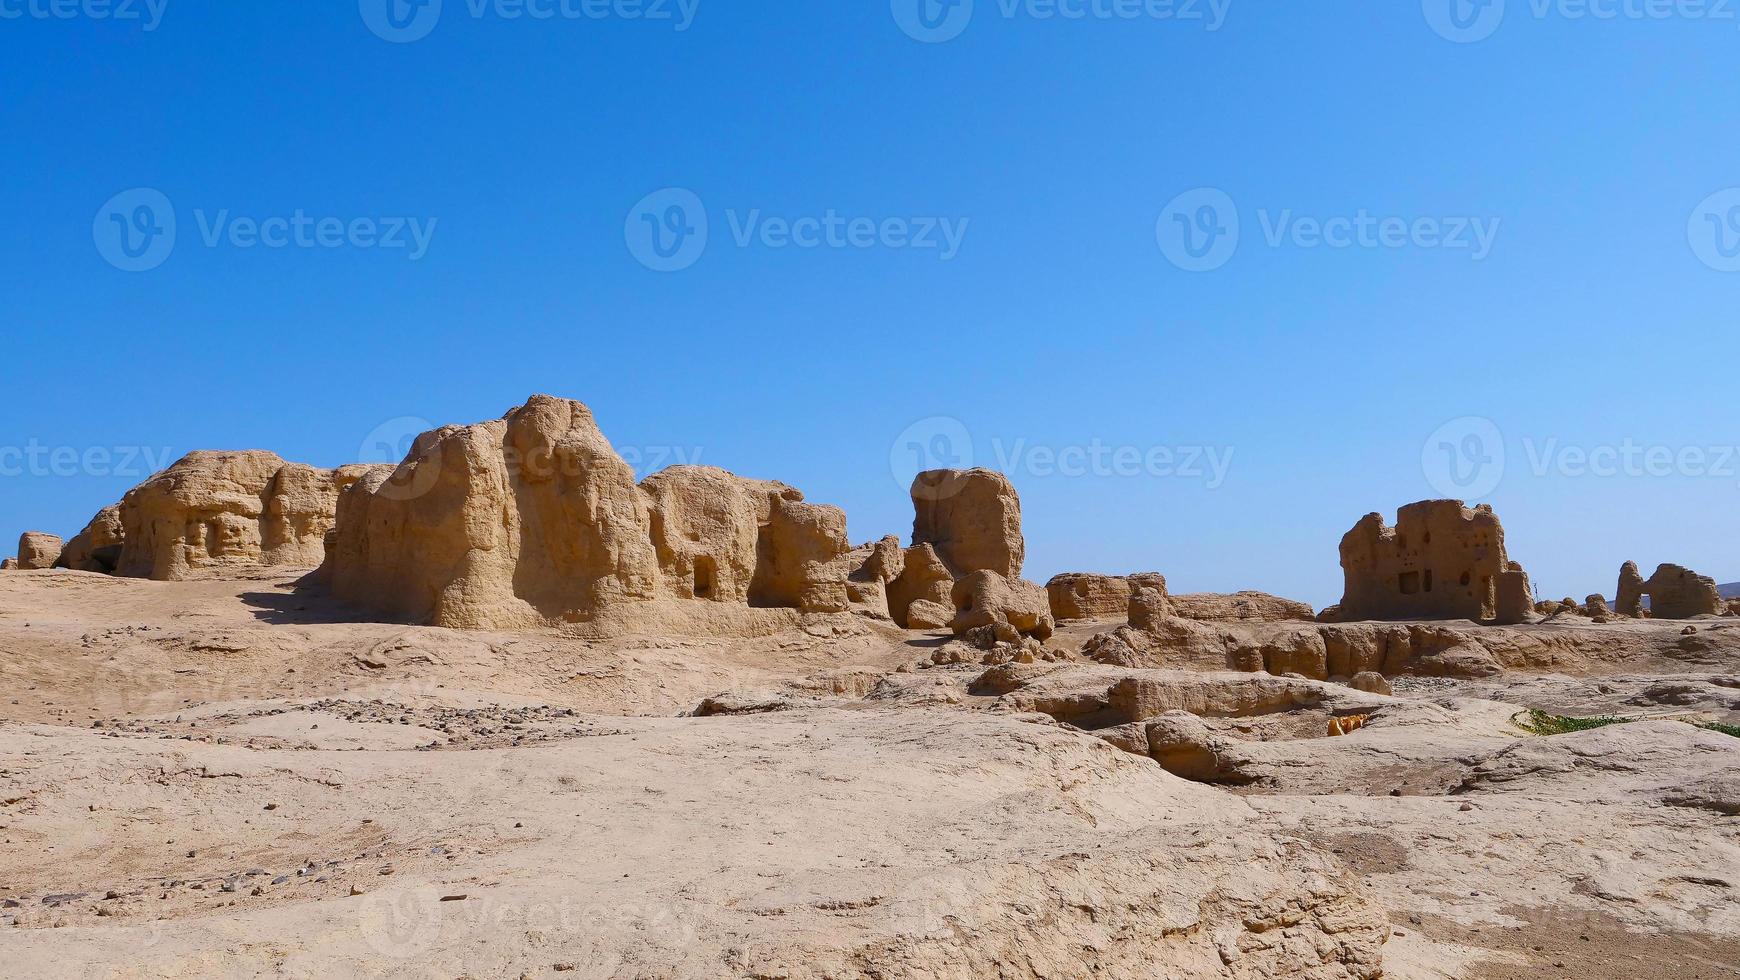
(1516, 600)
(8, 564)
(533, 519)
(1083, 595)
(723, 538)
(1442, 560)
(985, 598)
(1241, 607)
(98, 547)
(1674, 592)
(221, 510)
(1628, 600)
(923, 579)
(923, 614)
(1148, 606)
(38, 551)
(972, 518)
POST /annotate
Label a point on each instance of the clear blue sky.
(1592, 316)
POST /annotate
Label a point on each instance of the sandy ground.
(237, 778)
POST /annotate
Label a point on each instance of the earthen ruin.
(1442, 560)
(1674, 592)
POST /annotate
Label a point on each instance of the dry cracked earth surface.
(225, 778)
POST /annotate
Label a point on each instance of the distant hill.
(1730, 591)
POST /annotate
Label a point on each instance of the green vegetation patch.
(1541, 723)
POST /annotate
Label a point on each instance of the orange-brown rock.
(1628, 600)
(1677, 592)
(923, 578)
(533, 519)
(1242, 607)
(1148, 606)
(98, 547)
(216, 510)
(972, 518)
(1083, 595)
(1516, 601)
(984, 598)
(1442, 560)
(922, 614)
(38, 551)
(723, 538)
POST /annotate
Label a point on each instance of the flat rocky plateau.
(240, 777)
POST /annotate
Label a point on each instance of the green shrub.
(1541, 723)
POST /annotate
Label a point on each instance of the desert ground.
(236, 775)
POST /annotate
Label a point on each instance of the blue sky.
(1536, 210)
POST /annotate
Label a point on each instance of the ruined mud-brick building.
(1441, 560)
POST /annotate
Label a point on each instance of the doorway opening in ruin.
(1409, 583)
(1428, 580)
(705, 572)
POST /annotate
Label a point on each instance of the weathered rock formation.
(1628, 600)
(1516, 600)
(98, 547)
(1083, 595)
(923, 579)
(37, 551)
(1674, 592)
(533, 519)
(8, 564)
(222, 510)
(972, 518)
(985, 598)
(1442, 560)
(1242, 607)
